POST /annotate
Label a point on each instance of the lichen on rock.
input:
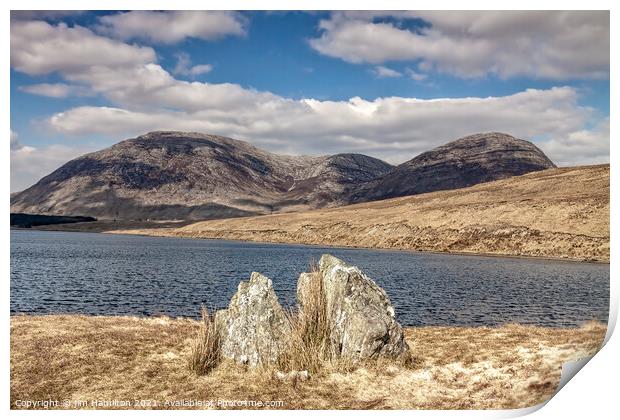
(361, 317)
(254, 327)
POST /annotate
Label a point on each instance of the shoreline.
(559, 214)
(92, 358)
(412, 251)
(153, 233)
(183, 318)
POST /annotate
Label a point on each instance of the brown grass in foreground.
(87, 358)
(308, 346)
(205, 355)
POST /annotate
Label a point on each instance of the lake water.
(90, 273)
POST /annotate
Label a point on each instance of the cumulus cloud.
(586, 146)
(383, 71)
(29, 164)
(541, 44)
(184, 66)
(15, 144)
(145, 97)
(173, 26)
(394, 128)
(38, 47)
(56, 90)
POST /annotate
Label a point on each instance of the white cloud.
(200, 69)
(29, 164)
(418, 77)
(56, 90)
(184, 66)
(173, 26)
(39, 48)
(394, 128)
(146, 97)
(541, 44)
(15, 144)
(383, 71)
(586, 146)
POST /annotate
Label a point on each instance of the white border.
(592, 393)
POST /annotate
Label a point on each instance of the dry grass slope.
(128, 358)
(556, 213)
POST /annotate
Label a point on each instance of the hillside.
(556, 213)
(461, 163)
(191, 176)
(174, 175)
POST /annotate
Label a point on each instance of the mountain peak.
(189, 175)
(461, 163)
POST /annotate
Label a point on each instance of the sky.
(387, 84)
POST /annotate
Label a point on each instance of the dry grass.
(308, 347)
(557, 213)
(206, 353)
(86, 358)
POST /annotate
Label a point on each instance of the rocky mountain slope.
(173, 175)
(192, 176)
(556, 213)
(462, 163)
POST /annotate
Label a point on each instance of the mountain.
(461, 163)
(175, 175)
(166, 175)
(555, 213)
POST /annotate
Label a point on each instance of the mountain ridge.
(166, 175)
(559, 213)
(461, 163)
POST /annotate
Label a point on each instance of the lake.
(104, 274)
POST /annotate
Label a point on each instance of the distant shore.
(86, 359)
(106, 227)
(559, 214)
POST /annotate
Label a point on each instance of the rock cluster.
(254, 329)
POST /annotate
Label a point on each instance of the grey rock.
(254, 328)
(361, 317)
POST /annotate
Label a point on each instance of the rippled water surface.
(90, 273)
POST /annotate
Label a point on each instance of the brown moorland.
(96, 358)
(556, 213)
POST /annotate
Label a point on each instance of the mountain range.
(166, 175)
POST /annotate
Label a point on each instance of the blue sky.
(386, 84)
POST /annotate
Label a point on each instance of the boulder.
(254, 328)
(360, 315)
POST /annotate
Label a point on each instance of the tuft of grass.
(308, 347)
(206, 353)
